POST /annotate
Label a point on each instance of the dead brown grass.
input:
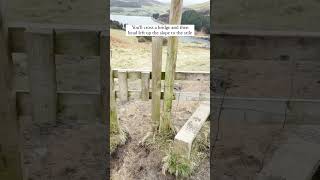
(127, 53)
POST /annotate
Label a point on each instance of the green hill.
(137, 7)
(203, 8)
(149, 7)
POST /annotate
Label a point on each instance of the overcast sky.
(186, 2)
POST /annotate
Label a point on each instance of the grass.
(127, 53)
(179, 165)
(201, 145)
(173, 163)
(160, 141)
(118, 139)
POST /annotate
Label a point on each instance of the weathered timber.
(268, 46)
(237, 109)
(175, 18)
(104, 78)
(42, 76)
(69, 42)
(179, 75)
(81, 27)
(114, 124)
(273, 33)
(123, 85)
(10, 133)
(182, 96)
(145, 85)
(184, 138)
(156, 80)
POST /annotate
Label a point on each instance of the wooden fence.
(274, 75)
(45, 85)
(124, 93)
(49, 62)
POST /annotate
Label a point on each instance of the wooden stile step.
(184, 138)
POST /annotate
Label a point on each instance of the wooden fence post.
(157, 43)
(175, 18)
(104, 79)
(123, 85)
(145, 84)
(42, 74)
(114, 123)
(105, 91)
(10, 134)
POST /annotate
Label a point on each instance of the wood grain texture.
(123, 85)
(68, 42)
(145, 85)
(184, 138)
(105, 110)
(179, 75)
(175, 18)
(156, 81)
(10, 133)
(42, 74)
(266, 47)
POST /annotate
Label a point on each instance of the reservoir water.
(144, 20)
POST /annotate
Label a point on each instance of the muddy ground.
(135, 162)
(65, 150)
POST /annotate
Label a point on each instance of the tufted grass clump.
(182, 166)
(177, 165)
(118, 139)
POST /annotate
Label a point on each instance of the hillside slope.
(149, 7)
(203, 8)
(134, 3)
(137, 7)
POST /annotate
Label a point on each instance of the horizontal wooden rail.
(274, 33)
(181, 96)
(266, 99)
(58, 26)
(134, 92)
(69, 42)
(266, 45)
(180, 75)
(65, 92)
(244, 109)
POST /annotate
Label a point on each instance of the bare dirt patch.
(65, 150)
(133, 161)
